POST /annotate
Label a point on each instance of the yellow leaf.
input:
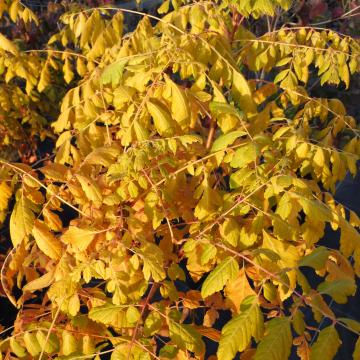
(161, 116)
(21, 220)
(302, 150)
(79, 238)
(289, 258)
(179, 104)
(40, 283)
(45, 79)
(46, 241)
(80, 66)
(90, 188)
(67, 69)
(14, 10)
(319, 158)
(5, 195)
(141, 131)
(164, 8)
(242, 93)
(69, 343)
(230, 231)
(7, 45)
(74, 305)
(52, 220)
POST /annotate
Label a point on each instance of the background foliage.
(192, 178)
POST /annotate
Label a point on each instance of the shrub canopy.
(200, 173)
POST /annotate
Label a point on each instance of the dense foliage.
(199, 174)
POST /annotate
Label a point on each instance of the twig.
(152, 291)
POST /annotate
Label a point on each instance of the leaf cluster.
(190, 148)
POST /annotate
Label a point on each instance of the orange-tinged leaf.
(210, 317)
(210, 333)
(237, 290)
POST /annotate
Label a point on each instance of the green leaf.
(339, 289)
(316, 259)
(168, 352)
(16, 348)
(216, 280)
(351, 324)
(223, 141)
(237, 333)
(31, 343)
(326, 345)
(219, 108)
(153, 323)
(276, 345)
(49, 343)
(113, 73)
(186, 337)
(245, 155)
(208, 253)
